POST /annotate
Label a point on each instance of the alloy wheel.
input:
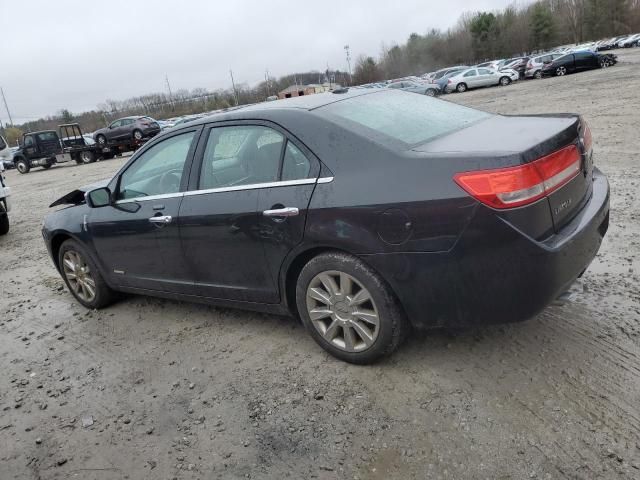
(561, 71)
(137, 135)
(342, 310)
(22, 167)
(77, 272)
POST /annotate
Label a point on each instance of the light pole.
(348, 52)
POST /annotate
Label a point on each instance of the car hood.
(76, 197)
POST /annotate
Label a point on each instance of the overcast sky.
(76, 54)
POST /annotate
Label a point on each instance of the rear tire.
(4, 220)
(461, 87)
(47, 165)
(538, 74)
(87, 156)
(23, 165)
(357, 303)
(82, 277)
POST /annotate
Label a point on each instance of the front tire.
(137, 135)
(102, 140)
(23, 165)
(82, 277)
(430, 92)
(4, 220)
(561, 71)
(348, 309)
(504, 81)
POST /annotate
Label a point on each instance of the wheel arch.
(301, 258)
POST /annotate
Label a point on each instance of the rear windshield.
(404, 117)
(47, 136)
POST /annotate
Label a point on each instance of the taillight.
(587, 140)
(516, 186)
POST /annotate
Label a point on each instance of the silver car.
(535, 64)
(480, 77)
(430, 89)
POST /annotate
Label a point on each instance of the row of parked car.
(558, 62)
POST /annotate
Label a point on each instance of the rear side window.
(47, 136)
(240, 155)
(295, 165)
(391, 116)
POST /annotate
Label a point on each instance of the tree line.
(515, 30)
(476, 37)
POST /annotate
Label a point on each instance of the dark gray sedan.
(127, 128)
(364, 213)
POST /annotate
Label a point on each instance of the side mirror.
(100, 197)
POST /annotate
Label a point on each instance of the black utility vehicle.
(43, 149)
(578, 62)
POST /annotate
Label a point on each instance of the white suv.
(535, 64)
(5, 204)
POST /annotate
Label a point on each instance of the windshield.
(403, 117)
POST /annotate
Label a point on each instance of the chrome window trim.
(325, 180)
(149, 197)
(253, 186)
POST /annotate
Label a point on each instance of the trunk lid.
(507, 141)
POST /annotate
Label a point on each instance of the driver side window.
(158, 171)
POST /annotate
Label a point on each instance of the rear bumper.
(495, 273)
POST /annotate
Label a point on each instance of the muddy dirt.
(159, 389)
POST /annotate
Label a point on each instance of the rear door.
(245, 210)
(283, 207)
(220, 218)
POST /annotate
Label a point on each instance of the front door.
(137, 238)
(114, 131)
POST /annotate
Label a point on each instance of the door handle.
(282, 212)
(162, 219)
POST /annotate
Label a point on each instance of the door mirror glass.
(100, 197)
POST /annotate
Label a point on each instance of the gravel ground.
(159, 389)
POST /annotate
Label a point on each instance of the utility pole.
(347, 50)
(233, 83)
(6, 106)
(166, 78)
(266, 79)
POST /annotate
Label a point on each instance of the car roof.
(41, 131)
(303, 103)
